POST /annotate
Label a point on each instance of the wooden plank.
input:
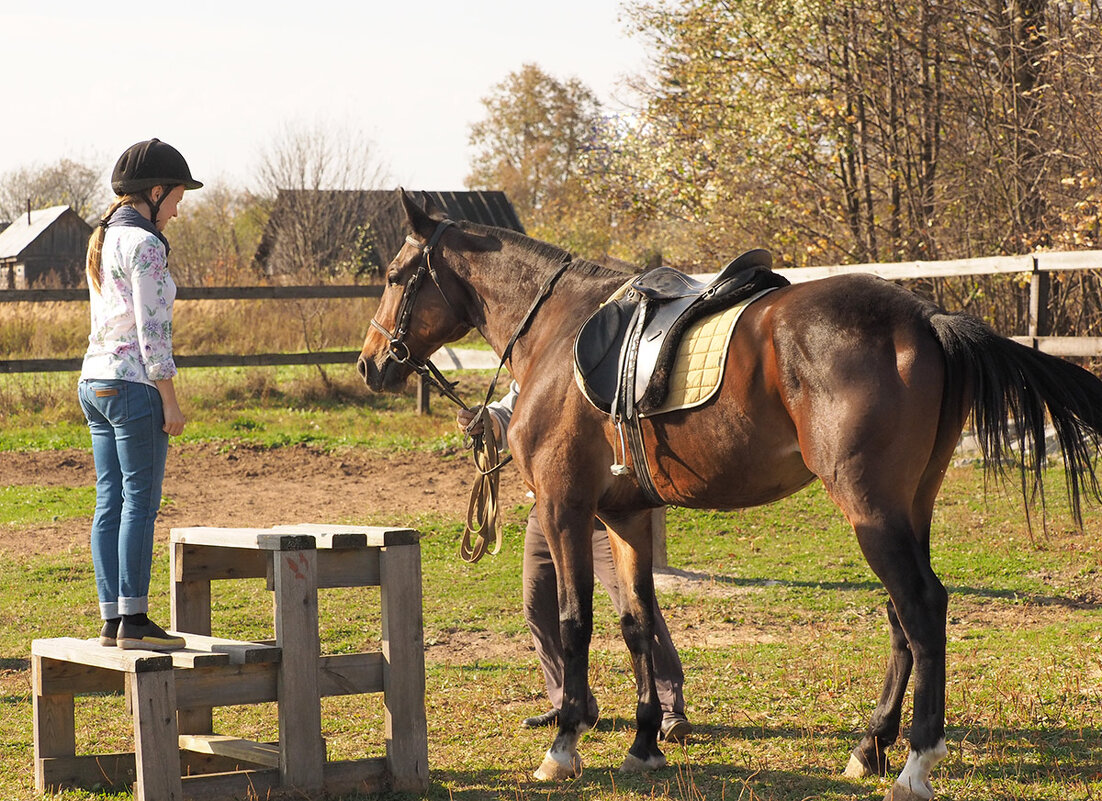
(302, 750)
(210, 293)
(263, 539)
(1064, 347)
(404, 672)
(348, 568)
(54, 723)
(362, 776)
(262, 784)
(237, 652)
(949, 268)
(190, 657)
(350, 674)
(254, 753)
(90, 652)
(267, 359)
(113, 772)
(156, 740)
(190, 603)
(71, 678)
(227, 686)
(73, 364)
(1071, 260)
(331, 535)
(209, 562)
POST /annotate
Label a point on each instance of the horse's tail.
(1011, 387)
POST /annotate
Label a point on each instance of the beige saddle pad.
(701, 358)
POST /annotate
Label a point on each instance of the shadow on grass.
(13, 663)
(854, 586)
(696, 780)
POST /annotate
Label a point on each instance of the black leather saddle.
(624, 352)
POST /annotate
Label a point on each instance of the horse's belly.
(712, 468)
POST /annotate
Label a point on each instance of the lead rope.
(481, 524)
(482, 509)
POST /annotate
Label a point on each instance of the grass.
(783, 638)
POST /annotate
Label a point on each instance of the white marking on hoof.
(558, 767)
(914, 781)
(856, 769)
(633, 764)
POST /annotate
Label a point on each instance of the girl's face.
(168, 207)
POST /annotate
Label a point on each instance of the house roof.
(485, 207)
(18, 236)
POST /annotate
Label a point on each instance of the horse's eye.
(392, 278)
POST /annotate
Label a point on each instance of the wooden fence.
(1038, 266)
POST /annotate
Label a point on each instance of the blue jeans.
(129, 446)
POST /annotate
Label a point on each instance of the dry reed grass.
(52, 330)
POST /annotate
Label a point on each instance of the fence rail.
(1039, 266)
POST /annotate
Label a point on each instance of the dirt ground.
(208, 486)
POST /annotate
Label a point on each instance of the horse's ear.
(416, 218)
(431, 209)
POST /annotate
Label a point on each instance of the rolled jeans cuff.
(109, 611)
(133, 606)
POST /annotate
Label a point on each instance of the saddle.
(624, 352)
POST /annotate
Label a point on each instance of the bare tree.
(317, 174)
(66, 182)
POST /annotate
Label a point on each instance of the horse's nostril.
(361, 367)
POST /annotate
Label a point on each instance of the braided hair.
(94, 260)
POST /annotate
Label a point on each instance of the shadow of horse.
(701, 579)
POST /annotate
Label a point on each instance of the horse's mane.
(543, 250)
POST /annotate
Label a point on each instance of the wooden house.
(43, 246)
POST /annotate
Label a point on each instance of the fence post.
(1038, 303)
(424, 392)
(658, 537)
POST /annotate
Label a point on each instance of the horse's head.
(421, 307)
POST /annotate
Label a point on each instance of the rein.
(481, 523)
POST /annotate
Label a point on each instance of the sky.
(222, 80)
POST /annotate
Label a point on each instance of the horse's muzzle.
(387, 378)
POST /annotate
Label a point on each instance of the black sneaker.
(109, 632)
(675, 728)
(147, 636)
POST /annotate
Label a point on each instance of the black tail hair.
(1012, 383)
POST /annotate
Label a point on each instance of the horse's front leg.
(570, 540)
(630, 539)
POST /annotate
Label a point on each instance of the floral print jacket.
(131, 337)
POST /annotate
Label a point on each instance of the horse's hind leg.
(870, 757)
(895, 554)
(630, 539)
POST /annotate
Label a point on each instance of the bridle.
(397, 349)
(481, 522)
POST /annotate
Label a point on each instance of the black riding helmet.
(148, 164)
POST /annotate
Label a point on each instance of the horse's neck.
(507, 298)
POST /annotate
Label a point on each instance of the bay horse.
(850, 380)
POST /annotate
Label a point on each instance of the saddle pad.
(701, 357)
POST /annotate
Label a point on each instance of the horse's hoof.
(856, 769)
(633, 764)
(552, 770)
(900, 792)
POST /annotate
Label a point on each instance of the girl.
(126, 388)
